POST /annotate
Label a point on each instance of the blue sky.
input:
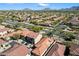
(36, 6)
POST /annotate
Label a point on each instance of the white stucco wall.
(38, 38)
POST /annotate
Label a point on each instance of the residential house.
(3, 31)
(42, 46)
(31, 37)
(1, 26)
(56, 50)
(4, 45)
(13, 33)
(74, 21)
(74, 50)
(16, 50)
(2, 41)
(10, 30)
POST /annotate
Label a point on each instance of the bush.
(36, 28)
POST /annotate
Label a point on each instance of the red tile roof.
(44, 41)
(74, 49)
(4, 29)
(56, 50)
(29, 33)
(16, 50)
(2, 41)
(13, 33)
(42, 46)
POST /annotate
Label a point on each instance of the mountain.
(27, 9)
(72, 8)
(47, 9)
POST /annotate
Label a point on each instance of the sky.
(35, 6)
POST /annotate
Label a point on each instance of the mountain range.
(48, 9)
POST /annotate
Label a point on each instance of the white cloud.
(43, 4)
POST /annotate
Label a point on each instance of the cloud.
(43, 4)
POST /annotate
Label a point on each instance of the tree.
(36, 28)
(68, 36)
(15, 37)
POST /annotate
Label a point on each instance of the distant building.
(74, 21)
(77, 36)
(28, 18)
(10, 30)
(13, 33)
(2, 41)
(42, 46)
(1, 26)
(3, 32)
(31, 36)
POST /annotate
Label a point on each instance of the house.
(77, 36)
(10, 30)
(42, 46)
(74, 21)
(3, 31)
(13, 33)
(74, 50)
(4, 45)
(56, 50)
(1, 26)
(2, 41)
(16, 50)
(31, 36)
(43, 41)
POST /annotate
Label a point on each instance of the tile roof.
(2, 41)
(56, 50)
(74, 49)
(13, 33)
(44, 41)
(29, 33)
(16, 50)
(42, 46)
(4, 29)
